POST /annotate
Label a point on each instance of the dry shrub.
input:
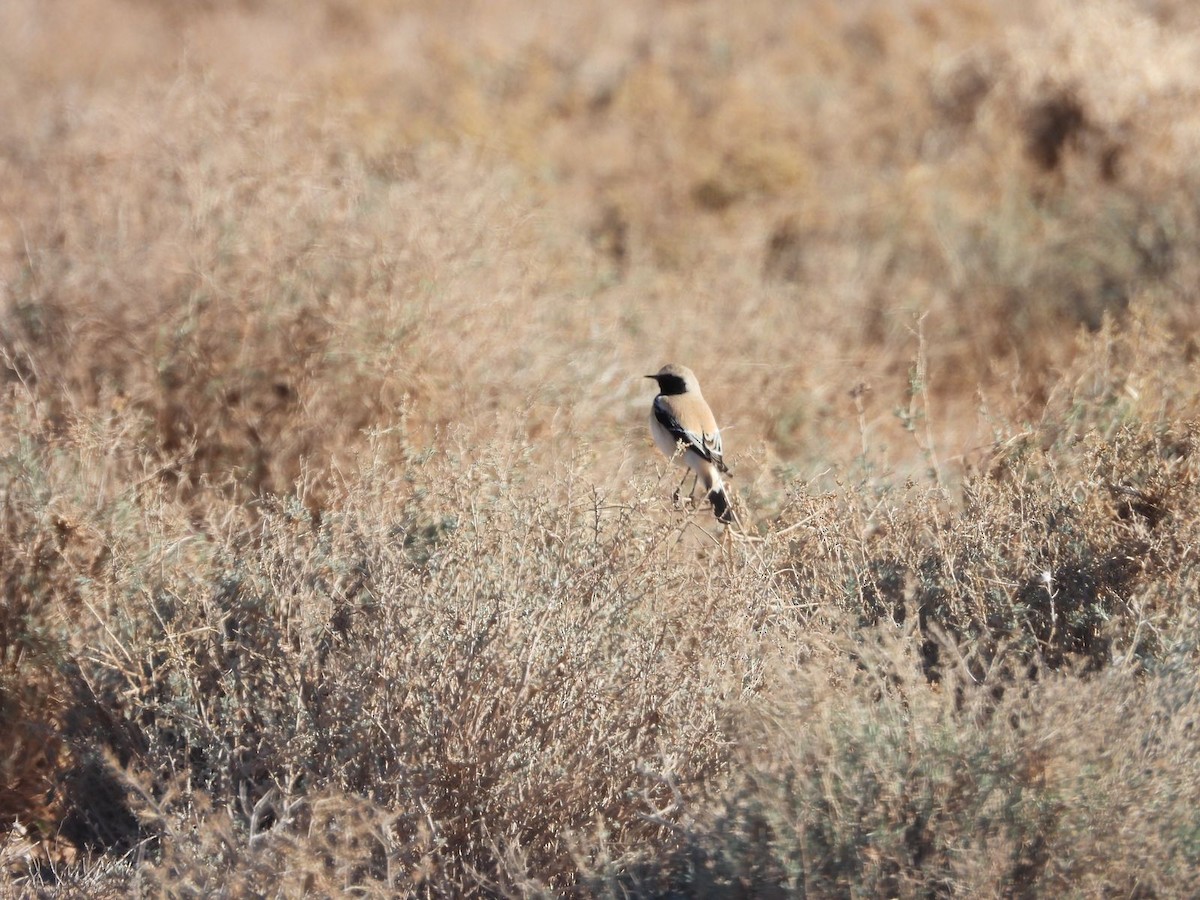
(57, 791)
(1043, 556)
(493, 680)
(266, 250)
(858, 776)
(328, 845)
(213, 301)
(473, 675)
(331, 557)
(36, 584)
(1047, 545)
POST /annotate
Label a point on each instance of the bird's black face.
(670, 384)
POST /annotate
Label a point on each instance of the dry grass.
(336, 559)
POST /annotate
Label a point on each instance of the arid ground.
(337, 559)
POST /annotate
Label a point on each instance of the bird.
(685, 430)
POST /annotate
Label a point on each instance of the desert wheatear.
(685, 430)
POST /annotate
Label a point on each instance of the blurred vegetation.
(335, 556)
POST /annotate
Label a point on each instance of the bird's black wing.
(707, 446)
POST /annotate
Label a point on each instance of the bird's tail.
(721, 505)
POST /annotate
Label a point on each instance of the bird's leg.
(675, 496)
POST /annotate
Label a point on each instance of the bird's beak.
(651, 376)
